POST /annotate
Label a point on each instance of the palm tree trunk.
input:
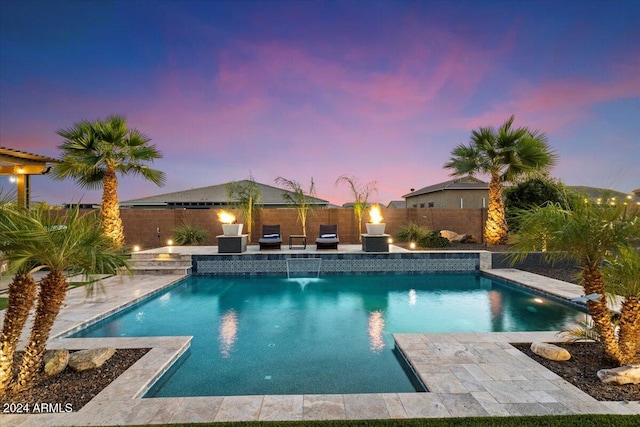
(52, 292)
(22, 293)
(593, 283)
(495, 230)
(630, 330)
(110, 211)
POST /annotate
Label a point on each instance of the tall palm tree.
(361, 194)
(93, 153)
(298, 198)
(22, 294)
(64, 244)
(504, 154)
(586, 233)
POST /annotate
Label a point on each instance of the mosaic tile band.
(334, 264)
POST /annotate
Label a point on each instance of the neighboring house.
(605, 195)
(636, 197)
(397, 204)
(214, 196)
(461, 193)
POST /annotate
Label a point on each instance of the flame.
(375, 216)
(226, 217)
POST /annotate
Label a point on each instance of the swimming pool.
(270, 335)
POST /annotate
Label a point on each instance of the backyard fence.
(151, 228)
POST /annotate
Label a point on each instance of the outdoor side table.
(301, 237)
(232, 244)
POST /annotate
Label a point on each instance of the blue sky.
(380, 90)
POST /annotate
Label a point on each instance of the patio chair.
(271, 238)
(328, 237)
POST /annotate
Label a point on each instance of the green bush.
(433, 239)
(410, 232)
(189, 235)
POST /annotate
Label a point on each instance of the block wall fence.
(151, 228)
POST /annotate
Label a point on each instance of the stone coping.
(468, 374)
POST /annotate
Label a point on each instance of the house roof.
(463, 183)
(214, 195)
(17, 157)
(397, 204)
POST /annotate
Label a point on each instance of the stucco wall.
(472, 199)
(141, 225)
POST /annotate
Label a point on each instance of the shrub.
(433, 239)
(410, 232)
(189, 235)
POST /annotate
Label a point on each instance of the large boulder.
(55, 361)
(629, 374)
(550, 351)
(452, 236)
(90, 359)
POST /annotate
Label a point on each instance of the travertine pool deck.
(468, 374)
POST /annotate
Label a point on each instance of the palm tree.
(586, 234)
(64, 244)
(505, 154)
(22, 294)
(298, 198)
(246, 196)
(361, 194)
(622, 277)
(95, 152)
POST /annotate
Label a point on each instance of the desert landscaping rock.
(55, 361)
(452, 236)
(629, 374)
(90, 359)
(550, 351)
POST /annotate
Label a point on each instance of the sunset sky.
(380, 90)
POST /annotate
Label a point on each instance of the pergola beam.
(33, 169)
(22, 165)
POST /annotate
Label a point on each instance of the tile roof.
(463, 183)
(214, 194)
(17, 157)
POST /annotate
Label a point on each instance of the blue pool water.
(270, 335)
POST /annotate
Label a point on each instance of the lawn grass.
(4, 302)
(595, 420)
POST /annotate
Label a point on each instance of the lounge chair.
(271, 238)
(328, 237)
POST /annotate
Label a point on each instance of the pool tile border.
(251, 264)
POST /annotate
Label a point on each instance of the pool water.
(271, 335)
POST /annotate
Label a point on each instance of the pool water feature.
(272, 335)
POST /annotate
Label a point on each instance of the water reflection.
(228, 332)
(413, 297)
(376, 331)
(497, 311)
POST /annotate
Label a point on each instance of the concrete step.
(160, 270)
(167, 255)
(160, 263)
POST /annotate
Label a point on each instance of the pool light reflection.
(228, 333)
(376, 331)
